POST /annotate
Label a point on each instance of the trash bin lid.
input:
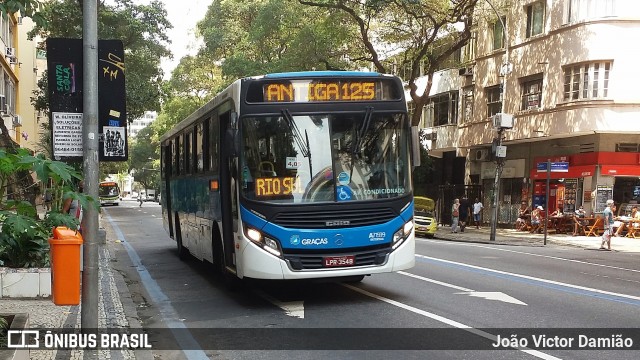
(62, 232)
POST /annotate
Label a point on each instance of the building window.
(467, 104)
(579, 10)
(535, 18)
(494, 100)
(532, 93)
(498, 33)
(468, 53)
(442, 110)
(587, 81)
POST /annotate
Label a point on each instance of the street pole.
(546, 201)
(89, 306)
(505, 69)
(496, 189)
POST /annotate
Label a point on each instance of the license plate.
(335, 261)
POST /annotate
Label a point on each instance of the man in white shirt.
(477, 209)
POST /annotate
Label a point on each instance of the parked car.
(423, 216)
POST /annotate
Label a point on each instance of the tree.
(142, 29)
(144, 157)
(254, 38)
(27, 8)
(417, 34)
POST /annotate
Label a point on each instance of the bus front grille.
(316, 261)
(327, 219)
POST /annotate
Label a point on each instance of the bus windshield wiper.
(357, 143)
(303, 143)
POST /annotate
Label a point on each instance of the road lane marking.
(291, 308)
(577, 289)
(489, 295)
(446, 321)
(167, 312)
(530, 254)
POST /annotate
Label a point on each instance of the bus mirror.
(416, 145)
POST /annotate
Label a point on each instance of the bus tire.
(183, 253)
(228, 279)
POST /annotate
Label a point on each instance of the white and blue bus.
(294, 176)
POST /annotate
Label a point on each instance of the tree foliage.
(143, 156)
(418, 34)
(27, 8)
(254, 38)
(141, 28)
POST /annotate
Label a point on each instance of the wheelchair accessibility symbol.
(344, 193)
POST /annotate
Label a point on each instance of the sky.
(184, 15)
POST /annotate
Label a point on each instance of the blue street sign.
(555, 166)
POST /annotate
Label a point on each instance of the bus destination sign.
(322, 91)
(277, 186)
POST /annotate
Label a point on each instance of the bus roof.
(304, 74)
(234, 89)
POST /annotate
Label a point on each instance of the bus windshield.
(108, 190)
(325, 157)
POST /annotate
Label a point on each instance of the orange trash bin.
(64, 251)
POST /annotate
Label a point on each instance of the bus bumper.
(258, 264)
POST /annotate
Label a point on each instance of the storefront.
(576, 185)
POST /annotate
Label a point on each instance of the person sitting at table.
(536, 218)
(635, 220)
(557, 213)
(523, 213)
(578, 220)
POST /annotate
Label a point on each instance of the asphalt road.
(456, 299)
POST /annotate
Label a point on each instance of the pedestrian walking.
(140, 200)
(464, 212)
(607, 215)
(455, 215)
(477, 211)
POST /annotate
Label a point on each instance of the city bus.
(298, 175)
(109, 193)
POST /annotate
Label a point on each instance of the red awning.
(574, 172)
(620, 170)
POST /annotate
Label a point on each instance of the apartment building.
(572, 90)
(138, 124)
(9, 67)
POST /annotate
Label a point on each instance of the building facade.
(571, 90)
(142, 122)
(9, 72)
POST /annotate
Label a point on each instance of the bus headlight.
(266, 243)
(402, 233)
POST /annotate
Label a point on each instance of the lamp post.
(500, 152)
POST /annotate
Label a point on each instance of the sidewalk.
(116, 310)
(514, 237)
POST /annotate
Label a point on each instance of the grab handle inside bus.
(416, 145)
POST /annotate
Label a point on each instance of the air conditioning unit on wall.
(10, 52)
(481, 155)
(17, 120)
(466, 71)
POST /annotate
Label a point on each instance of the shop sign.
(555, 166)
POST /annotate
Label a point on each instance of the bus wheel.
(183, 253)
(227, 278)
